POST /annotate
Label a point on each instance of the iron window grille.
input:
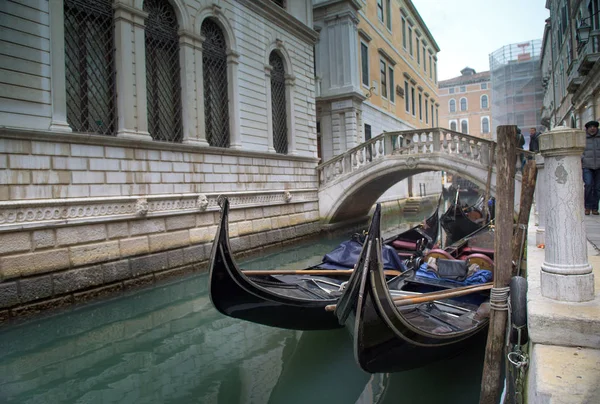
(163, 81)
(90, 66)
(278, 104)
(216, 100)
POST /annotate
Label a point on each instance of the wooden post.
(491, 383)
(527, 190)
(488, 182)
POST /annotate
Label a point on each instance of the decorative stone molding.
(411, 162)
(287, 196)
(36, 214)
(141, 207)
(202, 202)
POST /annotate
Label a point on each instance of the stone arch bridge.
(350, 183)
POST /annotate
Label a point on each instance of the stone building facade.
(376, 71)
(465, 103)
(122, 121)
(571, 72)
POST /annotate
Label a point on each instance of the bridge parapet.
(409, 142)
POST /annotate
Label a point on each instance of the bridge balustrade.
(410, 142)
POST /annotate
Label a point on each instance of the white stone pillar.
(235, 140)
(268, 69)
(540, 200)
(57, 61)
(200, 114)
(566, 274)
(290, 110)
(130, 62)
(190, 44)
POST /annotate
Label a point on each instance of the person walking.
(590, 162)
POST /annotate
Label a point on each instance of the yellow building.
(466, 103)
(376, 68)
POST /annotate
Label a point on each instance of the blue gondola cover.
(347, 253)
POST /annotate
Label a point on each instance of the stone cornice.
(562, 141)
(353, 95)
(134, 11)
(354, 3)
(363, 34)
(100, 140)
(47, 213)
(386, 56)
(280, 17)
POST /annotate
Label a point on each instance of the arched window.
(485, 125)
(464, 126)
(484, 102)
(453, 125)
(163, 84)
(452, 105)
(278, 103)
(463, 104)
(89, 66)
(214, 68)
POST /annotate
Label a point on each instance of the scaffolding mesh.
(517, 92)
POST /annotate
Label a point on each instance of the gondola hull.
(261, 301)
(384, 344)
(385, 337)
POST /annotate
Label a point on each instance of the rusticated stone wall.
(83, 216)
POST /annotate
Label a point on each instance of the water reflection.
(169, 345)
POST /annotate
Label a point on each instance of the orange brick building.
(465, 103)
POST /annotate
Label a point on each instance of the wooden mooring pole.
(491, 382)
(520, 235)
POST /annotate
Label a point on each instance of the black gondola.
(387, 338)
(423, 236)
(287, 301)
(459, 221)
(298, 301)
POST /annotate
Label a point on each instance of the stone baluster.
(436, 140)
(566, 273)
(540, 200)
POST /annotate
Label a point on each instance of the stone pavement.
(565, 337)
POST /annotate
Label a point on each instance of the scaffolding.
(517, 93)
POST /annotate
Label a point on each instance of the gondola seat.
(478, 250)
(438, 253)
(404, 245)
(482, 260)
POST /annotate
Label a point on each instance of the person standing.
(590, 162)
(520, 144)
(534, 140)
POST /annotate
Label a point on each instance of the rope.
(499, 298)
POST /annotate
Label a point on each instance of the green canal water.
(169, 345)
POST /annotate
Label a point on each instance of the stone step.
(412, 206)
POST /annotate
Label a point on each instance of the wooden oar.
(324, 272)
(428, 297)
(431, 296)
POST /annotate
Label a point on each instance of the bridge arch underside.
(353, 197)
